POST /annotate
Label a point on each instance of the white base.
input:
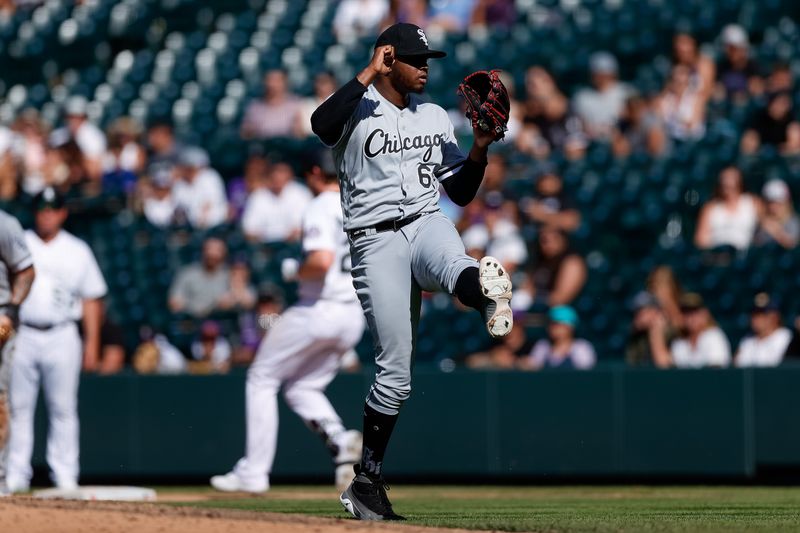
(117, 494)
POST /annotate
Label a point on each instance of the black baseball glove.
(487, 100)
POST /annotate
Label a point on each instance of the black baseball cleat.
(366, 498)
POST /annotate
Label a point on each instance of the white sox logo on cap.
(422, 36)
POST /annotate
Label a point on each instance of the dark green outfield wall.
(611, 422)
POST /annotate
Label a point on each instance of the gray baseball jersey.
(14, 257)
(390, 161)
(14, 253)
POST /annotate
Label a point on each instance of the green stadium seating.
(200, 63)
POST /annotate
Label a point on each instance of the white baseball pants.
(301, 354)
(52, 358)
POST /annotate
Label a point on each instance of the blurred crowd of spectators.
(676, 329)
(170, 183)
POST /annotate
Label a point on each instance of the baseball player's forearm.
(92, 320)
(462, 186)
(314, 267)
(21, 285)
(329, 119)
(311, 272)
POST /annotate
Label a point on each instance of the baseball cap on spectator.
(576, 140)
(546, 168)
(48, 199)
(125, 127)
(643, 300)
(161, 176)
(270, 292)
(193, 157)
(322, 159)
(775, 190)
(763, 303)
(160, 122)
(691, 301)
(408, 40)
(268, 297)
(563, 314)
(603, 63)
(209, 329)
(735, 35)
(493, 200)
(76, 106)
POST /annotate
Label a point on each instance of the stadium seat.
(201, 65)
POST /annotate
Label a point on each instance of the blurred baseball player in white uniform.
(68, 288)
(16, 277)
(301, 352)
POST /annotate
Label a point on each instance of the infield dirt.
(27, 515)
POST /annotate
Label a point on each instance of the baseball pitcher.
(392, 151)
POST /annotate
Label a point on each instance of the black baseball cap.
(691, 301)
(763, 303)
(408, 40)
(48, 199)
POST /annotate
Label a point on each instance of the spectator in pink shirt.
(274, 115)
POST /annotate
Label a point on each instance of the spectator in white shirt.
(729, 218)
(158, 202)
(211, 351)
(89, 138)
(601, 107)
(767, 345)
(274, 213)
(703, 343)
(157, 355)
(359, 18)
(125, 152)
(496, 235)
(682, 106)
(29, 147)
(199, 191)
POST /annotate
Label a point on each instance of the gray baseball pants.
(390, 270)
(6, 352)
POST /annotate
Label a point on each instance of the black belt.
(44, 327)
(392, 225)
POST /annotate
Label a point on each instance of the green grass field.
(596, 509)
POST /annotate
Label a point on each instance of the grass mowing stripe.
(579, 509)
